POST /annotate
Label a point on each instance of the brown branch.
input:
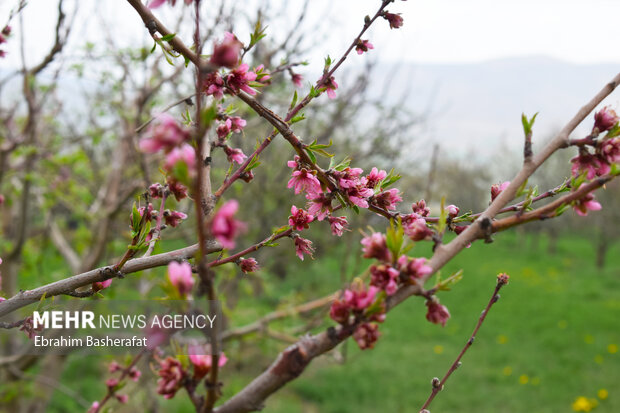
(70, 284)
(437, 384)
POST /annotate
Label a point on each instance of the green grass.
(551, 330)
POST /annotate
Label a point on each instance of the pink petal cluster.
(366, 335)
(585, 204)
(592, 165)
(375, 246)
(420, 208)
(395, 20)
(363, 46)
(497, 189)
(171, 375)
(355, 299)
(213, 85)
(178, 189)
(174, 218)
(384, 277)
(28, 328)
(338, 225)
(184, 154)
(303, 246)
(226, 53)
(436, 313)
(388, 199)
(414, 268)
(296, 78)
(299, 219)
(165, 135)
(320, 205)
(235, 155)
(415, 227)
(374, 177)
(203, 362)
(452, 210)
(240, 78)
(224, 226)
(605, 119)
(98, 286)
(609, 150)
(180, 276)
(248, 265)
(330, 86)
(304, 180)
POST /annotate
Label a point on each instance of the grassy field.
(552, 337)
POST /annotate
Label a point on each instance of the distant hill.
(479, 105)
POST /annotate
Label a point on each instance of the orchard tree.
(74, 190)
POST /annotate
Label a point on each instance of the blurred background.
(439, 100)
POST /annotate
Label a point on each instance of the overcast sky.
(438, 31)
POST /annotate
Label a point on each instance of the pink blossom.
(320, 205)
(114, 367)
(384, 277)
(171, 375)
(295, 163)
(415, 227)
(339, 311)
(94, 408)
(237, 124)
(374, 177)
(299, 219)
(156, 3)
(150, 213)
(134, 374)
(605, 119)
(202, 362)
(174, 218)
(359, 196)
(363, 46)
(331, 86)
(296, 78)
(338, 225)
(350, 178)
(226, 52)
(224, 226)
(6, 30)
(585, 204)
(156, 190)
(185, 154)
(609, 150)
(395, 20)
(366, 335)
(98, 286)
(414, 268)
(304, 180)
(224, 128)
(165, 135)
(375, 246)
(262, 75)
(248, 265)
(420, 208)
(111, 383)
(235, 155)
(214, 85)
(452, 210)
(303, 246)
(497, 189)
(122, 398)
(28, 328)
(359, 298)
(388, 199)
(591, 164)
(178, 189)
(239, 79)
(436, 313)
(180, 276)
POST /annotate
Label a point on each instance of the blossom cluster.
(606, 153)
(4, 34)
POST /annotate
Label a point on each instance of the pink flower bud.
(497, 189)
(114, 367)
(605, 119)
(171, 375)
(174, 218)
(226, 52)
(375, 246)
(452, 210)
(122, 398)
(436, 313)
(98, 286)
(248, 265)
(180, 276)
(366, 335)
(111, 383)
(363, 46)
(224, 227)
(395, 20)
(202, 362)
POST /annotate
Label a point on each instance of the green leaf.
(135, 220)
(294, 101)
(447, 284)
(208, 115)
(168, 37)
(527, 124)
(443, 215)
(298, 118)
(311, 155)
(280, 230)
